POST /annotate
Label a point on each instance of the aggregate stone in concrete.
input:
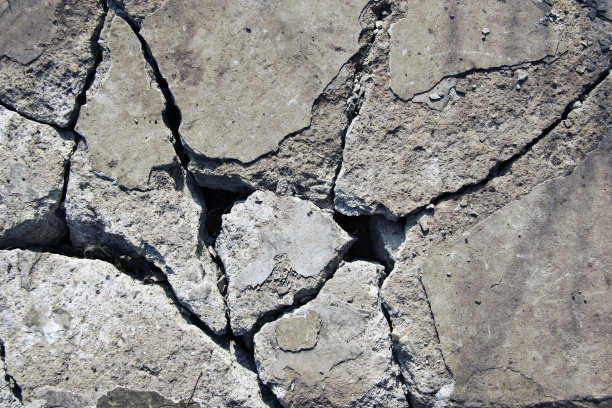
(162, 224)
(245, 74)
(122, 120)
(449, 37)
(520, 303)
(79, 333)
(34, 160)
(47, 50)
(276, 250)
(340, 352)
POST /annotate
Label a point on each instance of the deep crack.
(171, 114)
(10, 380)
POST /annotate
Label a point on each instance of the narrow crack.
(503, 166)
(81, 99)
(171, 114)
(400, 374)
(9, 379)
(26, 116)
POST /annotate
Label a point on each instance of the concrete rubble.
(335, 351)
(161, 224)
(343, 203)
(74, 330)
(276, 250)
(47, 51)
(34, 161)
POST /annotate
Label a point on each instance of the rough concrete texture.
(305, 164)
(276, 250)
(556, 154)
(413, 131)
(521, 305)
(449, 37)
(415, 341)
(401, 155)
(340, 353)
(122, 120)
(34, 160)
(75, 330)
(279, 56)
(414, 334)
(135, 10)
(161, 224)
(47, 51)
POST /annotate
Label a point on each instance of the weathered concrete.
(136, 10)
(162, 224)
(340, 354)
(519, 304)
(122, 120)
(46, 53)
(414, 336)
(400, 155)
(246, 75)
(276, 250)
(556, 154)
(449, 37)
(75, 330)
(415, 341)
(33, 162)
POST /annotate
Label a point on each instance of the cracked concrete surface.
(423, 214)
(246, 74)
(125, 143)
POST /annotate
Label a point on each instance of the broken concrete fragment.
(351, 364)
(26, 26)
(276, 250)
(122, 120)
(427, 45)
(161, 224)
(75, 331)
(399, 156)
(33, 163)
(522, 322)
(415, 340)
(243, 86)
(46, 53)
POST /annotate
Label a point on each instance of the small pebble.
(430, 207)
(521, 74)
(435, 96)
(424, 225)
